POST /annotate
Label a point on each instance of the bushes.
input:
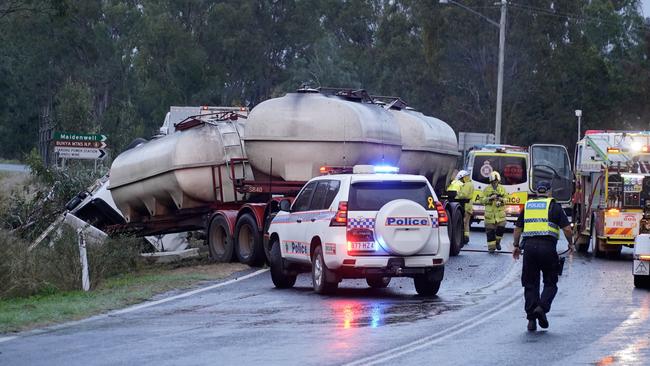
(47, 269)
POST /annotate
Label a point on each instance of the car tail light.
(443, 219)
(341, 217)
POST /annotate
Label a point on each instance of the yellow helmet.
(495, 176)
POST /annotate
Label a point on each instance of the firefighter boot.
(498, 244)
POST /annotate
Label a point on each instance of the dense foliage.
(115, 66)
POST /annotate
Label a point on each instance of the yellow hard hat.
(495, 176)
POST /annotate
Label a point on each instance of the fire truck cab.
(520, 169)
(612, 190)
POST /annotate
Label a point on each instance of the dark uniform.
(540, 254)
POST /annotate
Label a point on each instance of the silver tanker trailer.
(224, 172)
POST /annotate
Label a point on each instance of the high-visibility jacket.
(536, 221)
(494, 214)
(466, 192)
(455, 185)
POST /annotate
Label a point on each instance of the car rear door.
(551, 163)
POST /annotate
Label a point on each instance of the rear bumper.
(394, 269)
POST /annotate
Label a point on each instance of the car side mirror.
(285, 205)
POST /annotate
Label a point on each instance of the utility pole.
(579, 115)
(502, 46)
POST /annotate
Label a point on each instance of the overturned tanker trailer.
(224, 173)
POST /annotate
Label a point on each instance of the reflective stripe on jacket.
(494, 214)
(536, 221)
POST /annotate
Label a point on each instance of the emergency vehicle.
(369, 224)
(612, 190)
(520, 168)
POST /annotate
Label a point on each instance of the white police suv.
(369, 224)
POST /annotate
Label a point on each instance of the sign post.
(71, 145)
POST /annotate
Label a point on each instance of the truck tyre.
(278, 275)
(378, 281)
(319, 274)
(425, 286)
(594, 242)
(219, 240)
(455, 229)
(249, 247)
(134, 143)
(642, 281)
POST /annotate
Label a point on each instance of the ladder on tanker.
(233, 150)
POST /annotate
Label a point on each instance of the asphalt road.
(14, 168)
(476, 319)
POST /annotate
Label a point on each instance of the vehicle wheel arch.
(315, 242)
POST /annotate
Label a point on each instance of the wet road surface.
(477, 318)
(14, 168)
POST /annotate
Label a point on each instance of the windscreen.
(511, 168)
(371, 196)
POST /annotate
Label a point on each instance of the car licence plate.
(362, 246)
(641, 268)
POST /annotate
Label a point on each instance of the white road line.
(187, 294)
(6, 339)
(157, 302)
(437, 337)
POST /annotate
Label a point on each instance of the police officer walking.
(494, 199)
(539, 224)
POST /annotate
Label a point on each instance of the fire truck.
(520, 169)
(612, 190)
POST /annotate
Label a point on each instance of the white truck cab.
(370, 224)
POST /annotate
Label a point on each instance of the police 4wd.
(369, 224)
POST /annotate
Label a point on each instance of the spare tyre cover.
(403, 227)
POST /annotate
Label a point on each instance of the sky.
(646, 8)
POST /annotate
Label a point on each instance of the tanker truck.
(223, 173)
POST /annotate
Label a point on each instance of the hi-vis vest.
(455, 185)
(536, 219)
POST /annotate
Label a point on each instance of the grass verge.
(18, 314)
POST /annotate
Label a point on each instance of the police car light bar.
(386, 169)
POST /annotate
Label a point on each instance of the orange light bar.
(613, 150)
(645, 149)
(644, 257)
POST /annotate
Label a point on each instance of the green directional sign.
(72, 136)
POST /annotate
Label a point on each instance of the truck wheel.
(642, 281)
(278, 275)
(319, 274)
(425, 286)
(455, 230)
(594, 242)
(220, 240)
(248, 241)
(378, 281)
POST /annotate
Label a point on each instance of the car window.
(332, 191)
(318, 200)
(324, 194)
(511, 168)
(371, 196)
(302, 201)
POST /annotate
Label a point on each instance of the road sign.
(78, 136)
(79, 153)
(86, 144)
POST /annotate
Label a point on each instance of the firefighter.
(466, 195)
(494, 199)
(539, 224)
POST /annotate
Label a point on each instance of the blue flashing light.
(386, 169)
